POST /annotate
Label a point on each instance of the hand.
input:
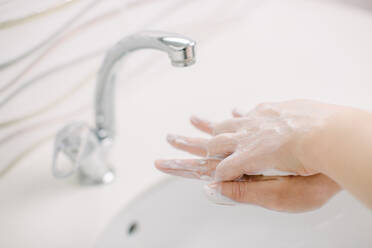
(265, 141)
(280, 193)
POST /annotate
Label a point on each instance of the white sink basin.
(280, 52)
(175, 213)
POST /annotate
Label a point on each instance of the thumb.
(257, 192)
(227, 193)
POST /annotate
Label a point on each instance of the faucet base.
(107, 178)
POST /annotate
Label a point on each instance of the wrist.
(342, 141)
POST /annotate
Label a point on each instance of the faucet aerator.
(184, 63)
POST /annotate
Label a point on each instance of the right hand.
(266, 141)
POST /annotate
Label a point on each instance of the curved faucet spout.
(181, 51)
(86, 147)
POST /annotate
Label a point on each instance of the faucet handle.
(80, 144)
(72, 140)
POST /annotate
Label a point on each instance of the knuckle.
(220, 128)
(267, 109)
(211, 143)
(263, 106)
(227, 126)
(224, 136)
(222, 143)
(220, 139)
(299, 100)
(238, 191)
(211, 164)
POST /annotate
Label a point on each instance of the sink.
(271, 56)
(175, 213)
(280, 50)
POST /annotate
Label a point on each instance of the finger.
(254, 178)
(222, 145)
(231, 167)
(236, 113)
(203, 169)
(246, 163)
(290, 194)
(214, 190)
(196, 146)
(202, 125)
(229, 126)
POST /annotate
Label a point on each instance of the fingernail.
(171, 137)
(159, 163)
(183, 141)
(238, 111)
(213, 192)
(172, 167)
(167, 164)
(194, 119)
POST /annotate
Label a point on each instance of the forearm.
(342, 150)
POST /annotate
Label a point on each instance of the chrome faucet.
(85, 147)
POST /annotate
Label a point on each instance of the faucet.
(87, 147)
